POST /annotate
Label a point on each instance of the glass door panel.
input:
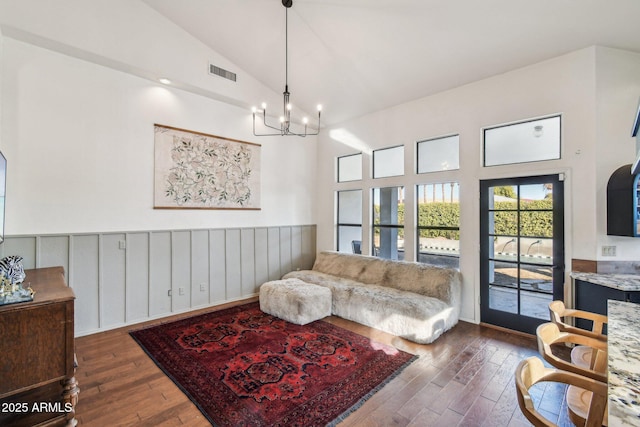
(522, 261)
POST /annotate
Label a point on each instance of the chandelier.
(284, 127)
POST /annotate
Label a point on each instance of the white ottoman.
(295, 301)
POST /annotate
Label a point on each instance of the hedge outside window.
(388, 222)
(438, 225)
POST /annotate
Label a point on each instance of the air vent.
(217, 71)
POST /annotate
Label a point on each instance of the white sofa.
(411, 300)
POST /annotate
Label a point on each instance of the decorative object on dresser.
(37, 370)
(11, 277)
(415, 301)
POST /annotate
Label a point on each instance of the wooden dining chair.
(560, 315)
(532, 371)
(578, 399)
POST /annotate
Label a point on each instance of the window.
(350, 221)
(388, 222)
(350, 168)
(438, 225)
(388, 162)
(529, 141)
(438, 154)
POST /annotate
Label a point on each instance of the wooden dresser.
(37, 354)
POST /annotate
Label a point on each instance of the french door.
(521, 250)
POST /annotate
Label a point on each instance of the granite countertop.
(624, 363)
(623, 282)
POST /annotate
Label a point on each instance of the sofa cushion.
(438, 282)
(408, 315)
(360, 268)
(337, 285)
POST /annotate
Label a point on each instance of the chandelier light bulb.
(281, 119)
(288, 107)
(264, 105)
(319, 107)
(305, 120)
(254, 110)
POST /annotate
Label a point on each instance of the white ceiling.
(359, 56)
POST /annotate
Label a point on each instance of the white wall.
(565, 85)
(129, 36)
(79, 97)
(78, 131)
(618, 92)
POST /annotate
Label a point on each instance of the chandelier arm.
(267, 134)
(264, 121)
(281, 131)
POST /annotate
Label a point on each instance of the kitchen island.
(624, 363)
(593, 290)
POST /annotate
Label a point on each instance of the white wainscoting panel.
(123, 278)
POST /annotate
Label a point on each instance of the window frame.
(347, 224)
(338, 167)
(521, 122)
(373, 161)
(422, 141)
(376, 251)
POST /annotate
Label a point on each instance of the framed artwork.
(194, 170)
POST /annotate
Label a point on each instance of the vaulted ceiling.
(359, 56)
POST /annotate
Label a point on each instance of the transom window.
(438, 154)
(528, 141)
(350, 168)
(388, 162)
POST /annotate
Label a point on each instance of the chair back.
(531, 371)
(549, 335)
(559, 314)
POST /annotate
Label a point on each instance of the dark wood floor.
(465, 378)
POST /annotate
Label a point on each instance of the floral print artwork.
(195, 170)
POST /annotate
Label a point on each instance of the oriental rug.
(243, 367)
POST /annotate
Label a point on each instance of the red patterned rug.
(243, 367)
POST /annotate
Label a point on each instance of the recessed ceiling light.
(164, 81)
